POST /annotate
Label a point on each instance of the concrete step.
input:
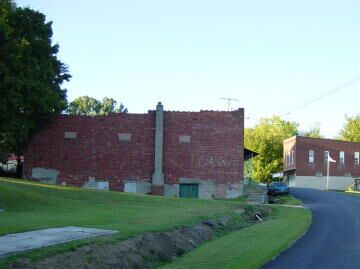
(255, 193)
(255, 198)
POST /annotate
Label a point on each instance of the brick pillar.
(157, 187)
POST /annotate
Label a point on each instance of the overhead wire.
(323, 95)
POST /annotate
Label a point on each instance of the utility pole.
(327, 170)
(229, 101)
(329, 160)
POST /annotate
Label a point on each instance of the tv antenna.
(229, 100)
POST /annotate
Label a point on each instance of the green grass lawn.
(30, 206)
(33, 206)
(250, 247)
(288, 199)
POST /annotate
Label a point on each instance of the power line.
(317, 98)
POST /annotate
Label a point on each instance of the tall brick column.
(157, 186)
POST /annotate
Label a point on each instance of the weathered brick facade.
(204, 148)
(309, 169)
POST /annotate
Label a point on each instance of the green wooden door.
(189, 191)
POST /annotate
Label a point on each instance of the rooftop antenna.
(229, 101)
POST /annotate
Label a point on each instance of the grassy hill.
(30, 206)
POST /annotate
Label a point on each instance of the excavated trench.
(148, 250)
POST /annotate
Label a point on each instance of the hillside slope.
(30, 206)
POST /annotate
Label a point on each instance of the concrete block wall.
(335, 183)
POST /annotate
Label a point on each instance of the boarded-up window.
(102, 185)
(184, 139)
(124, 137)
(70, 135)
(130, 187)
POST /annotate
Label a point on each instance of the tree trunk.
(19, 166)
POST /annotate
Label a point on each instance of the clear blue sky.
(271, 55)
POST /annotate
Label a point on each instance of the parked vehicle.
(275, 188)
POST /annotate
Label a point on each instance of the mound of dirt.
(147, 250)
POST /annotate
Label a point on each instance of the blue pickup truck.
(275, 188)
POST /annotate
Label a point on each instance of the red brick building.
(305, 162)
(197, 154)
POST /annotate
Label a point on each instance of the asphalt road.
(333, 240)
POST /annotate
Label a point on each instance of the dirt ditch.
(148, 250)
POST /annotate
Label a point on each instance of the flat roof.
(317, 138)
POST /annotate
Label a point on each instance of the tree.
(351, 129)
(31, 76)
(313, 131)
(85, 105)
(109, 105)
(266, 138)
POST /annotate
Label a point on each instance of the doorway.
(189, 191)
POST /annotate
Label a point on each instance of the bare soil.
(148, 250)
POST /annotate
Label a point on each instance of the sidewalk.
(14, 243)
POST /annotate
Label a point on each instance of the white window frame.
(341, 157)
(311, 156)
(326, 156)
(292, 157)
(356, 158)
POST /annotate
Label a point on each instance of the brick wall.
(216, 148)
(304, 168)
(210, 147)
(96, 151)
(289, 155)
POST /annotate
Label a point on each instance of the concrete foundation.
(208, 189)
(234, 190)
(335, 183)
(45, 175)
(97, 184)
(220, 191)
(140, 187)
(171, 190)
(143, 187)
